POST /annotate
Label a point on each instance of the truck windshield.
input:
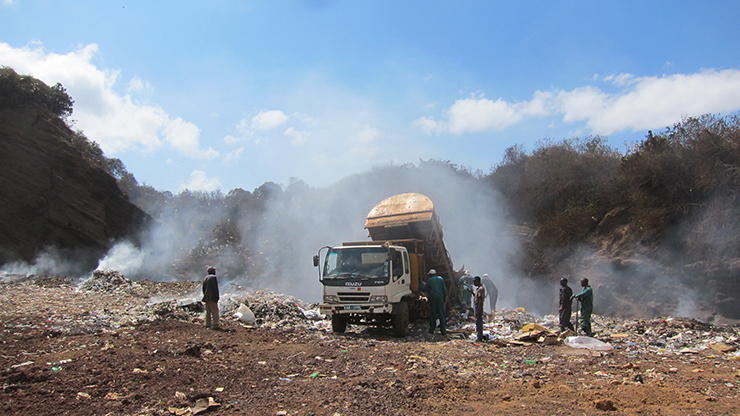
(358, 262)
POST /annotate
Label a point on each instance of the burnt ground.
(164, 365)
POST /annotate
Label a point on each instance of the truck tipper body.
(378, 282)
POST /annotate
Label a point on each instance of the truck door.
(398, 266)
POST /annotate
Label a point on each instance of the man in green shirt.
(465, 284)
(437, 290)
(586, 297)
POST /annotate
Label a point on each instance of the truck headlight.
(331, 298)
(379, 298)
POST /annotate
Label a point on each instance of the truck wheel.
(401, 320)
(338, 323)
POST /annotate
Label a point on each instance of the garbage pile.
(668, 335)
(108, 281)
(270, 309)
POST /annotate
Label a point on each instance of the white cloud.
(138, 85)
(621, 79)
(653, 101)
(367, 135)
(643, 103)
(309, 121)
(116, 122)
(184, 135)
(7, 2)
(200, 182)
(478, 114)
(233, 156)
(428, 125)
(268, 120)
(298, 137)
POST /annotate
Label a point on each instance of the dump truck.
(378, 282)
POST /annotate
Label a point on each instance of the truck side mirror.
(316, 260)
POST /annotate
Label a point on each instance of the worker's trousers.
(585, 321)
(212, 315)
(479, 325)
(437, 307)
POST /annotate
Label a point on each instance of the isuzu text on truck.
(377, 282)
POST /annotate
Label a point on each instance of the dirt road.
(165, 365)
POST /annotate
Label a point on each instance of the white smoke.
(475, 231)
(123, 257)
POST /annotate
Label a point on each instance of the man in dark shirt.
(210, 297)
(479, 297)
(566, 305)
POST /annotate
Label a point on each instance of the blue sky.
(209, 95)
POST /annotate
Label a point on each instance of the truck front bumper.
(347, 308)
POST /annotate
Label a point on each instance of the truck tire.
(338, 323)
(401, 320)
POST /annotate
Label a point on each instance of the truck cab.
(366, 284)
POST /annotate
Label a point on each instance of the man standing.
(437, 290)
(566, 305)
(491, 291)
(587, 306)
(480, 297)
(465, 285)
(210, 297)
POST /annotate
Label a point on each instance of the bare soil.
(164, 366)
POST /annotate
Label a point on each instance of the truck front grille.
(353, 297)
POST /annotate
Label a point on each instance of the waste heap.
(108, 281)
(270, 309)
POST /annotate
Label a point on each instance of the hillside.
(53, 198)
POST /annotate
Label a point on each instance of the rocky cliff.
(51, 197)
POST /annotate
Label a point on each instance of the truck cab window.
(397, 265)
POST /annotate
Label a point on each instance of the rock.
(720, 347)
(605, 405)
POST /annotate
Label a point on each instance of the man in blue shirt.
(437, 290)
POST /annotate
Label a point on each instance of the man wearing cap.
(566, 305)
(437, 290)
(210, 297)
(466, 285)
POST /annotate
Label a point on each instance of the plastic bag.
(313, 314)
(245, 315)
(587, 343)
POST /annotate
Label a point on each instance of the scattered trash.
(245, 315)
(587, 343)
(21, 364)
(187, 302)
(313, 314)
(201, 405)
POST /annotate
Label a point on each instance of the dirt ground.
(173, 365)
